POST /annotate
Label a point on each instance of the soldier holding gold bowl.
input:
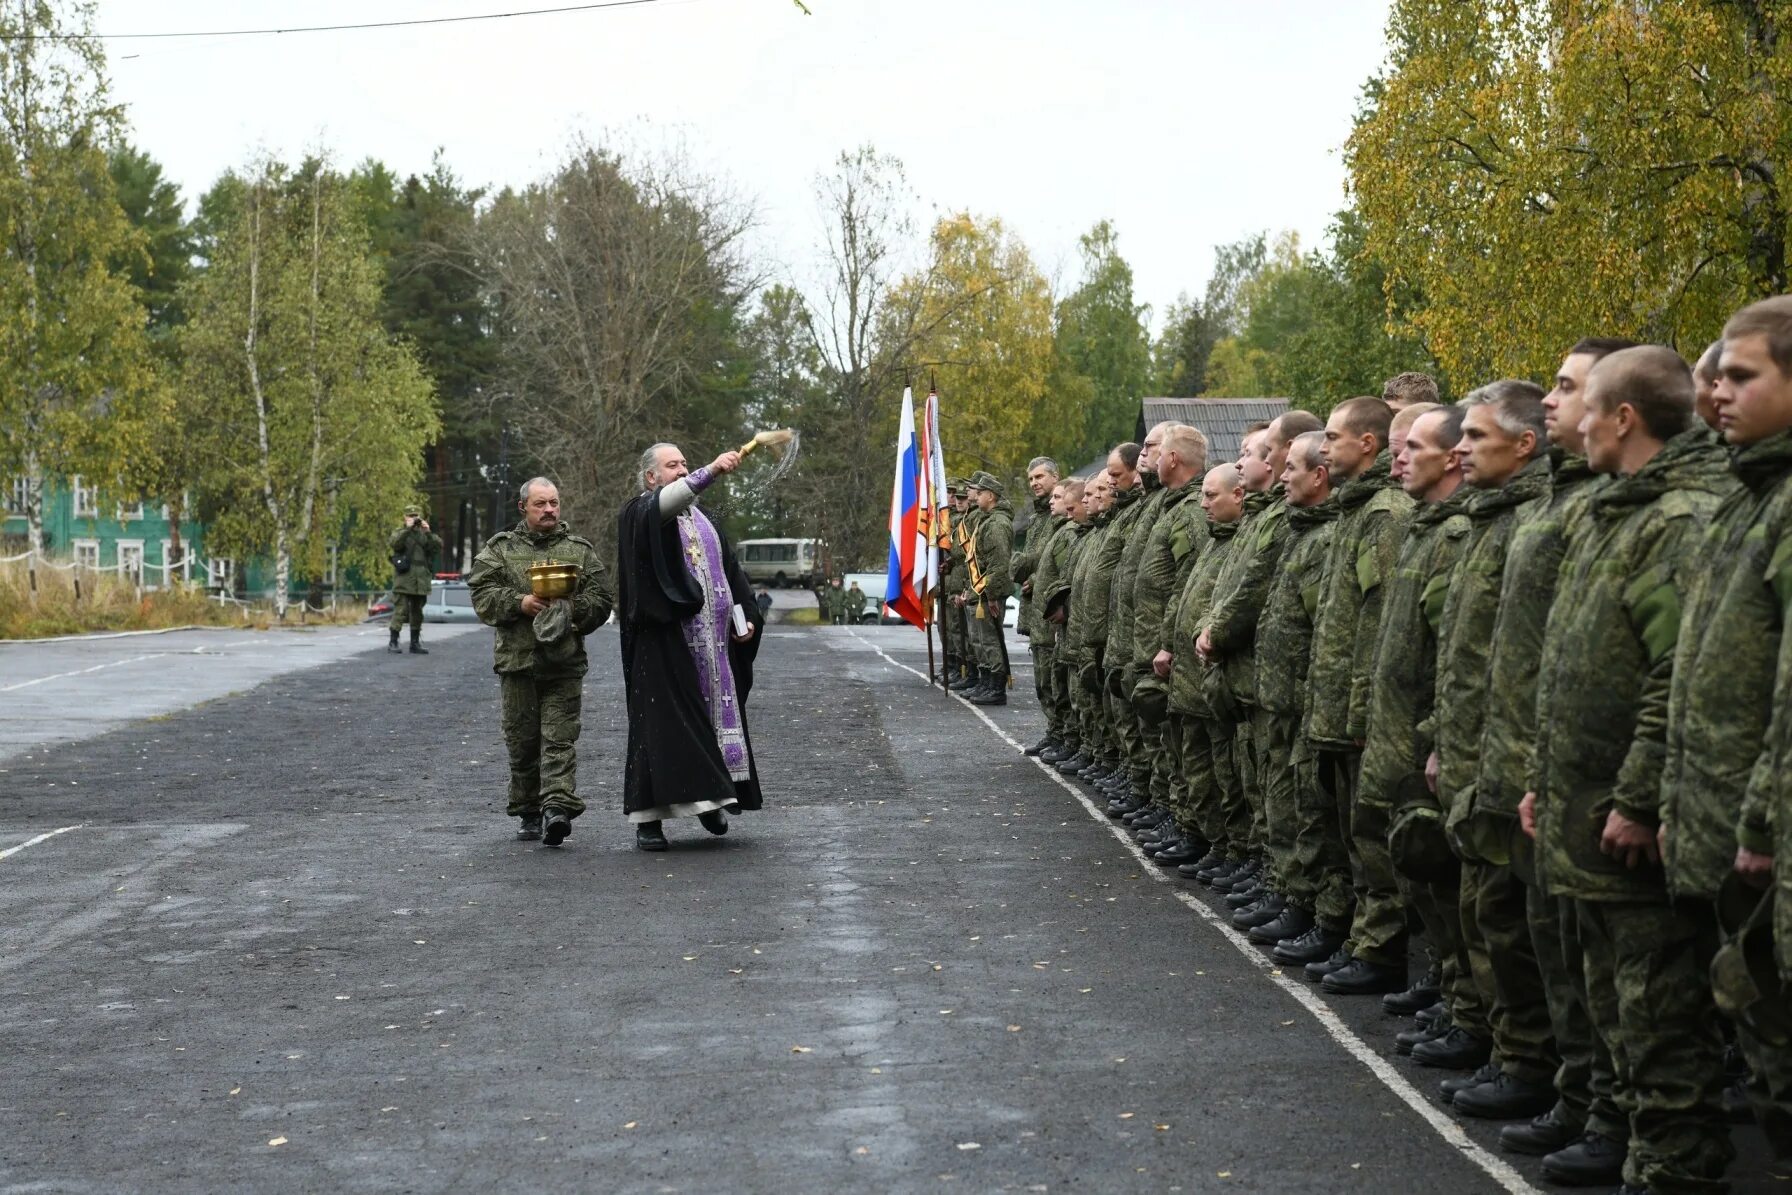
(543, 589)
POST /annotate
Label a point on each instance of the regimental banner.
(911, 555)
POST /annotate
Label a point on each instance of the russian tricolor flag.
(911, 512)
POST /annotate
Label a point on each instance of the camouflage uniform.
(855, 599)
(1602, 706)
(989, 584)
(1371, 523)
(1046, 565)
(1540, 537)
(1028, 620)
(1073, 658)
(1723, 743)
(1172, 545)
(1284, 654)
(1231, 626)
(1203, 794)
(1402, 734)
(410, 589)
(1104, 584)
(836, 610)
(1117, 677)
(952, 583)
(1495, 924)
(541, 683)
(1087, 627)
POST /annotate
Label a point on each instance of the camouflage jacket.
(1086, 624)
(1534, 558)
(1026, 562)
(1048, 564)
(1177, 539)
(1238, 596)
(1285, 630)
(500, 580)
(419, 548)
(1372, 514)
(1102, 562)
(1193, 684)
(1465, 646)
(1608, 658)
(1120, 608)
(990, 555)
(1404, 679)
(955, 576)
(1724, 746)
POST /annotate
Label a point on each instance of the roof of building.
(1221, 420)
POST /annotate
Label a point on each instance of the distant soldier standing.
(855, 603)
(987, 559)
(542, 680)
(414, 548)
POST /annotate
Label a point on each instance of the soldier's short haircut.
(650, 460)
(1652, 380)
(1405, 417)
(1409, 388)
(1449, 426)
(1073, 489)
(1227, 474)
(1309, 449)
(1706, 368)
(1364, 415)
(1129, 454)
(1251, 429)
(1043, 462)
(1771, 318)
(1290, 424)
(1600, 346)
(1189, 443)
(522, 495)
(1517, 408)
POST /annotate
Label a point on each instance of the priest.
(690, 631)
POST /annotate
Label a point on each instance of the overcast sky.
(1187, 122)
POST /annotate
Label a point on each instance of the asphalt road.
(284, 941)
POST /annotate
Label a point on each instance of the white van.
(781, 562)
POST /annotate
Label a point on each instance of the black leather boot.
(1261, 913)
(1539, 1135)
(1506, 1098)
(1365, 978)
(1405, 1040)
(1422, 994)
(1315, 944)
(417, 648)
(1593, 1161)
(650, 836)
(1457, 1050)
(392, 646)
(995, 691)
(1452, 1087)
(968, 679)
(1074, 764)
(1291, 923)
(1317, 970)
(530, 830)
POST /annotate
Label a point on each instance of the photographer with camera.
(414, 549)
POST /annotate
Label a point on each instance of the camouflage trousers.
(1071, 722)
(1320, 878)
(1207, 763)
(1497, 926)
(1127, 737)
(1247, 761)
(1438, 907)
(407, 607)
(985, 635)
(1649, 994)
(1045, 687)
(541, 733)
(1272, 740)
(1769, 1057)
(1378, 927)
(1091, 714)
(951, 619)
(1584, 1079)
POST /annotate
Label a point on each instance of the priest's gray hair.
(650, 461)
(522, 495)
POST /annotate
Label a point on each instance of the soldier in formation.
(1509, 676)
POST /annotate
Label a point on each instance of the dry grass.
(107, 603)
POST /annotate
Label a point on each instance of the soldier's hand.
(728, 462)
(1160, 663)
(1026, 587)
(533, 605)
(1755, 869)
(1527, 815)
(1432, 770)
(1627, 840)
(1204, 647)
(423, 523)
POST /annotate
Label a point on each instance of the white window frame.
(130, 545)
(84, 499)
(19, 497)
(86, 553)
(220, 571)
(130, 510)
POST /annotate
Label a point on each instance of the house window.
(87, 499)
(130, 558)
(219, 571)
(87, 553)
(20, 498)
(130, 510)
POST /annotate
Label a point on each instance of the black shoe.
(1042, 746)
(1320, 968)
(1293, 922)
(994, 692)
(1420, 995)
(1364, 978)
(1214, 858)
(1055, 754)
(1539, 1135)
(1454, 1086)
(714, 822)
(1261, 913)
(967, 681)
(530, 830)
(1073, 765)
(649, 836)
(1312, 945)
(555, 827)
(1593, 1161)
(1457, 1050)
(1249, 894)
(1186, 851)
(393, 647)
(1153, 841)
(1405, 1040)
(417, 648)
(1505, 1098)
(1434, 1015)
(1245, 873)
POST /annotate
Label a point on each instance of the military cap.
(985, 481)
(413, 512)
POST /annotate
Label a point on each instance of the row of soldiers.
(1513, 673)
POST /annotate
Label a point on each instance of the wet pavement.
(283, 941)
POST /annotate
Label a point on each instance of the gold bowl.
(550, 579)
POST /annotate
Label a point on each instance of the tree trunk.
(282, 559)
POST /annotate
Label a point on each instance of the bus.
(782, 562)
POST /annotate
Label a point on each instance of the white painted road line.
(13, 850)
(26, 684)
(1495, 1167)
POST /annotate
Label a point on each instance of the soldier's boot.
(968, 680)
(996, 692)
(392, 646)
(417, 648)
(530, 830)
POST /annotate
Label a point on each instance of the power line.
(484, 16)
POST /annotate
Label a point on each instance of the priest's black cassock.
(676, 765)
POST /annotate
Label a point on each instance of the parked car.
(381, 606)
(450, 600)
(873, 585)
